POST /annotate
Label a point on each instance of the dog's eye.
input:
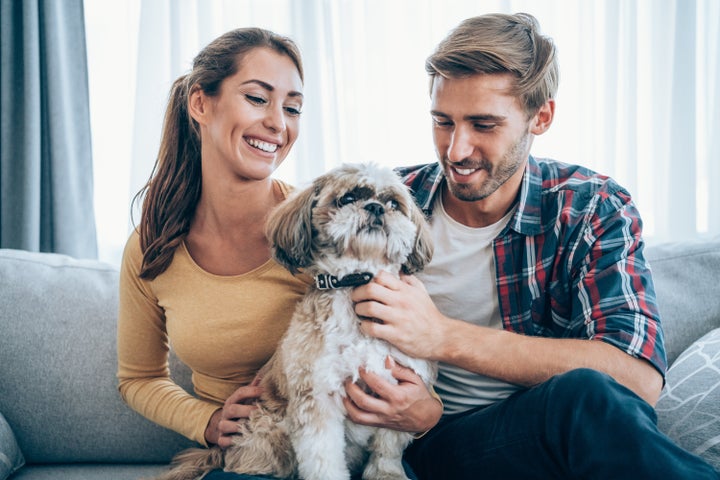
(392, 204)
(346, 199)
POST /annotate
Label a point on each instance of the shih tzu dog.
(347, 226)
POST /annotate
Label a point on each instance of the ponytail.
(174, 188)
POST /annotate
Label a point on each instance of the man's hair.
(500, 43)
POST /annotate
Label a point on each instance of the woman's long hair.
(171, 195)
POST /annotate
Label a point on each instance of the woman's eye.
(255, 100)
(293, 111)
(346, 199)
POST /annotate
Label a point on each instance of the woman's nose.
(275, 118)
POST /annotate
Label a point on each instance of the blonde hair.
(501, 43)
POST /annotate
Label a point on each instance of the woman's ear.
(543, 118)
(198, 105)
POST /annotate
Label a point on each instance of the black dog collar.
(325, 281)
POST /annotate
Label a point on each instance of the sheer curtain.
(638, 100)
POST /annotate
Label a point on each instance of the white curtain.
(639, 94)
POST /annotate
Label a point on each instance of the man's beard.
(497, 175)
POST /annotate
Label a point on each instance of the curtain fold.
(46, 181)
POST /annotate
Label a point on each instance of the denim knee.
(585, 396)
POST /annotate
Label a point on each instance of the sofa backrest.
(58, 385)
(686, 277)
(58, 389)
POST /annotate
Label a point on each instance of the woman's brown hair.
(171, 195)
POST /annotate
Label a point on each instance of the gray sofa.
(60, 410)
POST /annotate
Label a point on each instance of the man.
(538, 303)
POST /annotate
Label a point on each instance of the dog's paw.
(391, 472)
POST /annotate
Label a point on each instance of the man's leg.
(581, 424)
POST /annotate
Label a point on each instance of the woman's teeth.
(264, 146)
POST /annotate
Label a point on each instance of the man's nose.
(461, 146)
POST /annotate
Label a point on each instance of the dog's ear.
(423, 251)
(289, 230)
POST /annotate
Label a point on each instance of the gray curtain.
(46, 180)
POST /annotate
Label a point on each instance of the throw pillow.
(689, 406)
(11, 459)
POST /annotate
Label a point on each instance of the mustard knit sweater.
(223, 327)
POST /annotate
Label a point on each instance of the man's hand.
(407, 406)
(400, 311)
(226, 421)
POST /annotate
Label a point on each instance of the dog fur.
(355, 218)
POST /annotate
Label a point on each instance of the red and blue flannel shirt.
(570, 262)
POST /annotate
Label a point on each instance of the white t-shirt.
(461, 281)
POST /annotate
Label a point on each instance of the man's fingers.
(401, 372)
(362, 403)
(387, 280)
(373, 328)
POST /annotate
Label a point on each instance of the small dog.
(350, 224)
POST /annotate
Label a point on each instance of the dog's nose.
(375, 208)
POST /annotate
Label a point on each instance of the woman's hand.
(226, 421)
(407, 406)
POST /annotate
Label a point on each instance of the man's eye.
(441, 122)
(484, 126)
(346, 199)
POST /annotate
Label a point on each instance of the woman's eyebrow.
(270, 88)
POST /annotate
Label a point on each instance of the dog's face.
(361, 212)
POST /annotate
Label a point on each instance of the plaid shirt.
(570, 262)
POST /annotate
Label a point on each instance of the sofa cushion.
(11, 458)
(89, 472)
(686, 276)
(689, 407)
(58, 365)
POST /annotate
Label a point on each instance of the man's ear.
(198, 105)
(543, 118)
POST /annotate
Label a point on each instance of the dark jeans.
(579, 425)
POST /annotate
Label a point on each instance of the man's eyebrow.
(270, 88)
(484, 117)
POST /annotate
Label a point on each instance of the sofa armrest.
(11, 458)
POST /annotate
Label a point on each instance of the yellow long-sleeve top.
(223, 327)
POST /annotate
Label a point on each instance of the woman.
(197, 272)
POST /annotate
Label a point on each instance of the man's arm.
(410, 321)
